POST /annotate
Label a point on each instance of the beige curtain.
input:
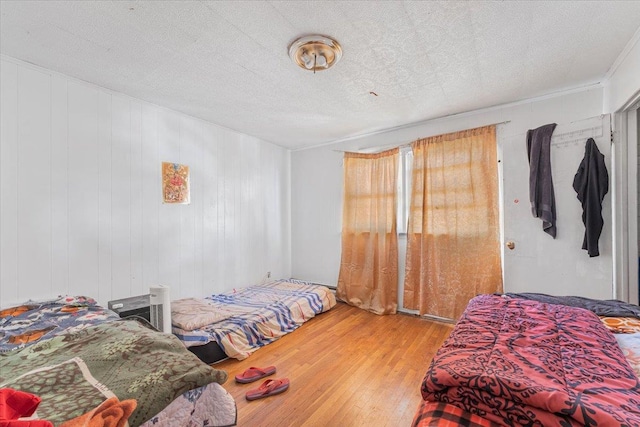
(453, 240)
(369, 266)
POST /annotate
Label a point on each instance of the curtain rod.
(403, 145)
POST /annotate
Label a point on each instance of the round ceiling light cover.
(315, 53)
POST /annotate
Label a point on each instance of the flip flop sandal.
(253, 374)
(268, 388)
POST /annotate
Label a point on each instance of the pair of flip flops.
(267, 388)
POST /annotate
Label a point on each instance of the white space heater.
(160, 307)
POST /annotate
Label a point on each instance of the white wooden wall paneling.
(34, 180)
(137, 285)
(244, 201)
(81, 207)
(284, 213)
(105, 146)
(272, 192)
(151, 197)
(221, 204)
(121, 197)
(188, 155)
(209, 218)
(234, 192)
(197, 191)
(229, 213)
(273, 228)
(169, 218)
(237, 191)
(8, 182)
(59, 179)
(257, 213)
(241, 195)
(83, 179)
(270, 211)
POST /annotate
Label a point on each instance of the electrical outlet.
(268, 274)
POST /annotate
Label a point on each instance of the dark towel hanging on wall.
(591, 183)
(543, 200)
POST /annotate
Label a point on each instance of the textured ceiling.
(226, 61)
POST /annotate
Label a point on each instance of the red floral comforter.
(520, 362)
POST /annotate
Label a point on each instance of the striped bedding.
(243, 320)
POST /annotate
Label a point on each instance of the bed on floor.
(74, 355)
(532, 359)
(237, 323)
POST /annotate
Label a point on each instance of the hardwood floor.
(347, 367)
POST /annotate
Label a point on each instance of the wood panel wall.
(80, 196)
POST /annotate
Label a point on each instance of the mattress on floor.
(74, 354)
(514, 360)
(243, 320)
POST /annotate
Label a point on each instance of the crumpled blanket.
(196, 406)
(519, 362)
(74, 373)
(193, 313)
(611, 307)
(110, 413)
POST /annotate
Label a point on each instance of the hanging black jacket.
(541, 194)
(591, 183)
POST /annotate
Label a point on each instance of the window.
(404, 188)
(370, 186)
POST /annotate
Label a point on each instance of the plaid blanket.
(440, 414)
(253, 317)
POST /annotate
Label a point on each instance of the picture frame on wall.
(175, 183)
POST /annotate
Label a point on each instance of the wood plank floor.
(347, 367)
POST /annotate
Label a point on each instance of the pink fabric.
(514, 361)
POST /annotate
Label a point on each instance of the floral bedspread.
(630, 346)
(74, 372)
(522, 362)
(32, 321)
(206, 406)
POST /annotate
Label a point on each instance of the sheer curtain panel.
(453, 239)
(369, 265)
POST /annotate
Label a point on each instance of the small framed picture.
(175, 183)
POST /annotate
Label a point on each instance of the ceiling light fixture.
(315, 53)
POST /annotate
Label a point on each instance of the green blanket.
(74, 373)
